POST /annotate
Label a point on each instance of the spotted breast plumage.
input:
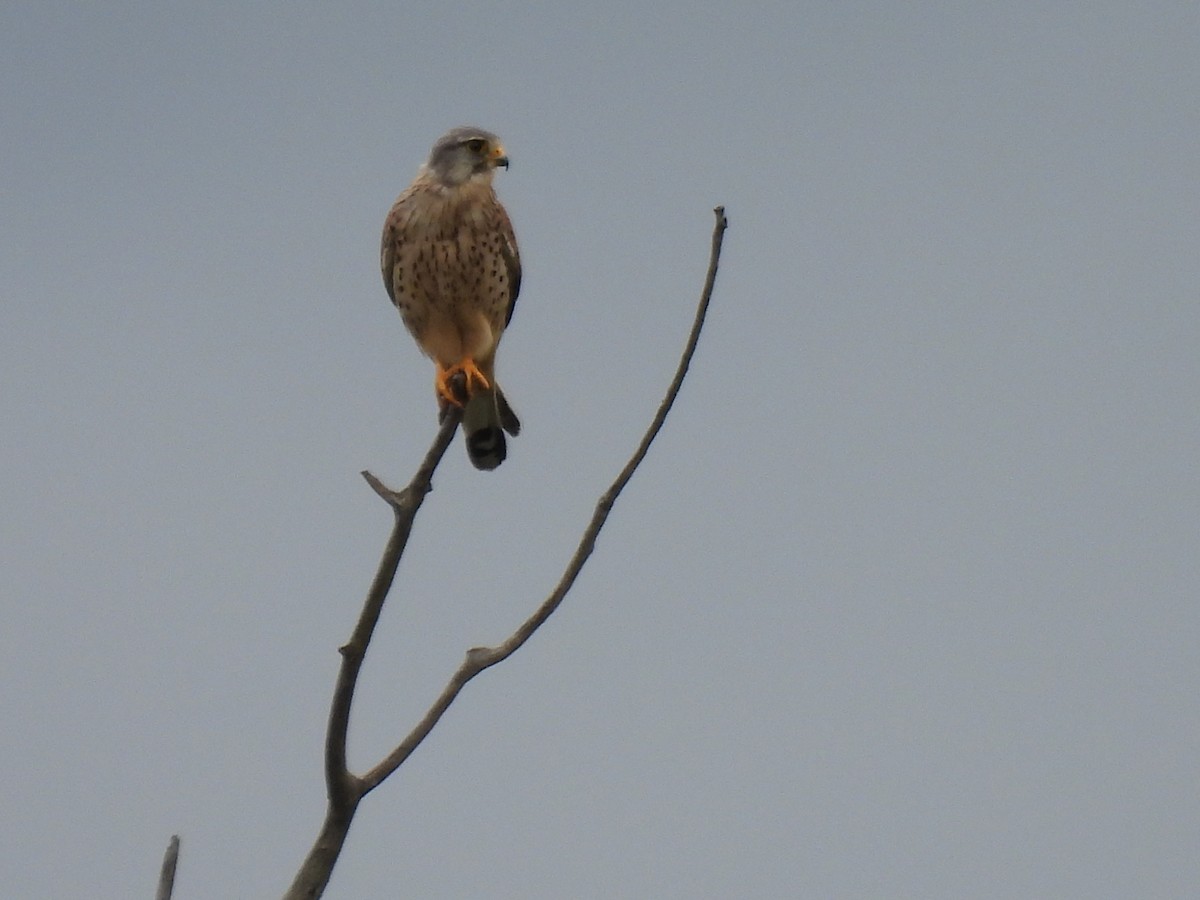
(450, 264)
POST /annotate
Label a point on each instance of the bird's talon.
(456, 384)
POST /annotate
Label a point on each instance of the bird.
(450, 265)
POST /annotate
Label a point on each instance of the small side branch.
(166, 877)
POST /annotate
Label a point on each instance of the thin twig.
(480, 658)
(166, 877)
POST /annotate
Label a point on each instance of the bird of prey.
(450, 265)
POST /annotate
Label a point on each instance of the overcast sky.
(904, 603)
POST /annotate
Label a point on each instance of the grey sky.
(902, 604)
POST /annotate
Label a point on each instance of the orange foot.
(445, 382)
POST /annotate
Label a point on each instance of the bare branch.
(480, 658)
(166, 877)
(338, 780)
(345, 789)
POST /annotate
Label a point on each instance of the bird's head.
(465, 153)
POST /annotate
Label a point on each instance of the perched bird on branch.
(450, 265)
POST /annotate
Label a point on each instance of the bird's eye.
(476, 145)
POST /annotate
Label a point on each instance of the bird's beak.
(499, 157)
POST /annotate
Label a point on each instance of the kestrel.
(450, 265)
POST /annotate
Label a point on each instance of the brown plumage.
(450, 265)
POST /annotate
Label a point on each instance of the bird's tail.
(486, 417)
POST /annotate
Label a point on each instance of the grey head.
(464, 153)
